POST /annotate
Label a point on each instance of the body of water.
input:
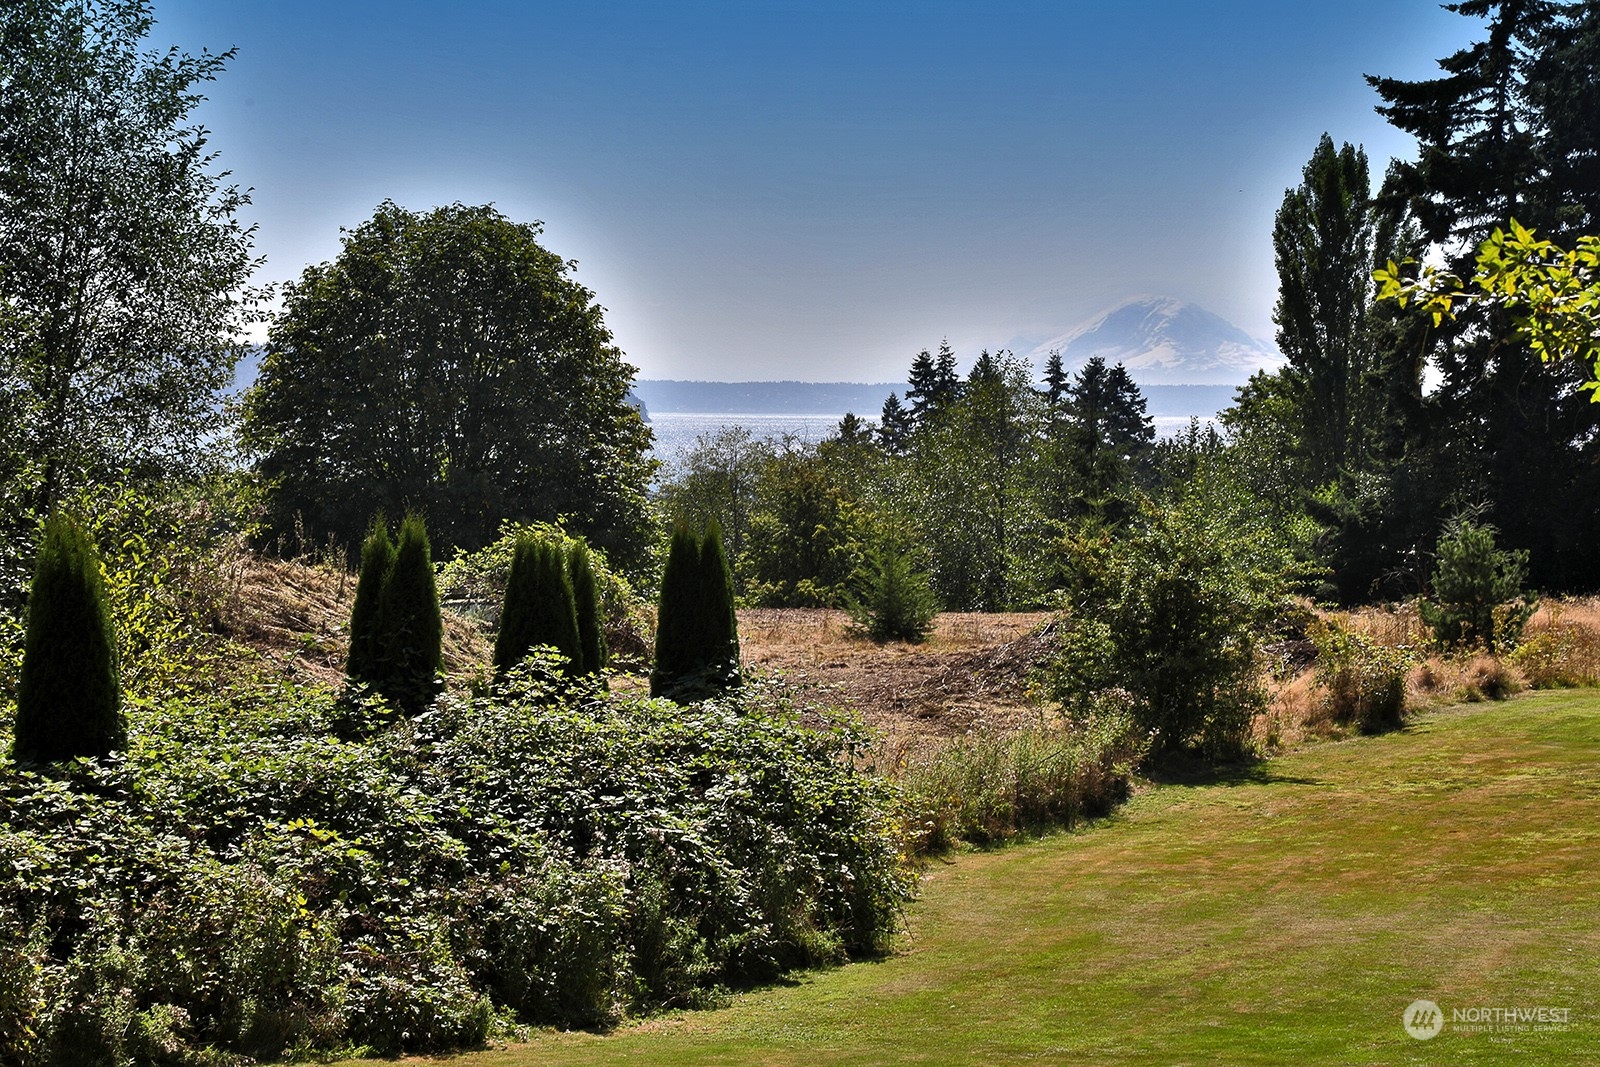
(677, 431)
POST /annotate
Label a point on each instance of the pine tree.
(377, 562)
(894, 426)
(893, 601)
(410, 629)
(586, 598)
(69, 700)
(1477, 590)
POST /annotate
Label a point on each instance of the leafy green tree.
(719, 479)
(122, 260)
(540, 609)
(586, 600)
(364, 662)
(1166, 618)
(409, 627)
(448, 363)
(1498, 139)
(1324, 245)
(69, 699)
(1477, 590)
(803, 538)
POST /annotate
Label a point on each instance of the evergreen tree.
(1477, 590)
(720, 626)
(932, 385)
(895, 425)
(697, 635)
(1108, 437)
(586, 599)
(410, 629)
(676, 622)
(377, 563)
(1056, 379)
(893, 601)
(69, 701)
(540, 608)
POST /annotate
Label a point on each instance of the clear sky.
(816, 190)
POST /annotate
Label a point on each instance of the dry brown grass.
(972, 671)
(298, 614)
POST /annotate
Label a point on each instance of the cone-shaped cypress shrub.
(676, 622)
(69, 700)
(720, 626)
(377, 562)
(697, 635)
(586, 598)
(539, 608)
(410, 630)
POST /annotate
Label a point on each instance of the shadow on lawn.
(1254, 772)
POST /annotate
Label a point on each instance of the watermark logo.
(1423, 1019)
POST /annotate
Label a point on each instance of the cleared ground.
(1285, 914)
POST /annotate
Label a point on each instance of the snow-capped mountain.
(1164, 342)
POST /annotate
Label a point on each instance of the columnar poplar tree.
(539, 608)
(69, 700)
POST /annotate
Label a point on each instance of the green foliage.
(1478, 599)
(521, 412)
(1167, 616)
(410, 629)
(803, 536)
(719, 479)
(377, 564)
(244, 883)
(1365, 681)
(540, 609)
(984, 788)
(697, 634)
(586, 600)
(122, 261)
(892, 601)
(480, 579)
(69, 699)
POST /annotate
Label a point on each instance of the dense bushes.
(242, 879)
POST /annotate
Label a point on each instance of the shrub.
(697, 632)
(1168, 614)
(892, 602)
(988, 787)
(69, 699)
(539, 608)
(1364, 682)
(586, 599)
(1478, 599)
(377, 563)
(396, 632)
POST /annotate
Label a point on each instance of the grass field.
(1284, 915)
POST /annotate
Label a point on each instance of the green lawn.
(1286, 915)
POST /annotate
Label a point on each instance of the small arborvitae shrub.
(697, 633)
(69, 698)
(539, 608)
(396, 632)
(1478, 600)
(892, 602)
(377, 563)
(586, 598)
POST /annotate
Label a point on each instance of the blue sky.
(765, 190)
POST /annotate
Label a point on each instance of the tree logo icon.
(1423, 1019)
